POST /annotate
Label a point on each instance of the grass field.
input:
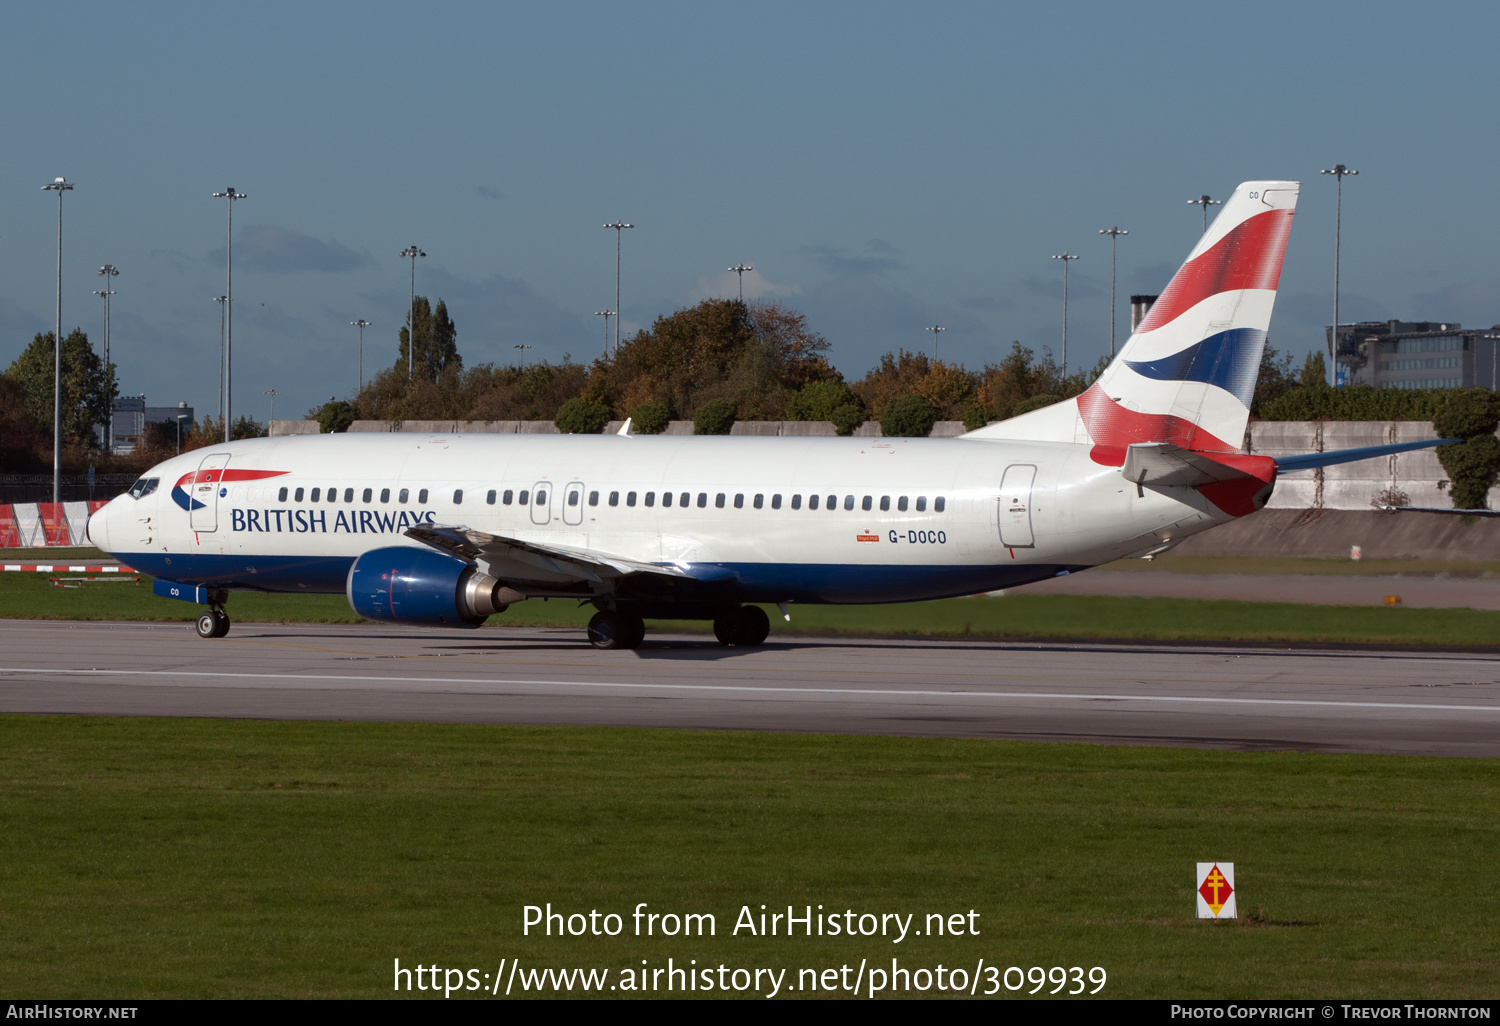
(185, 858)
(31, 596)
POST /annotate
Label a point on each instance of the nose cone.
(97, 530)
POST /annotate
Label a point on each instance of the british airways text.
(315, 521)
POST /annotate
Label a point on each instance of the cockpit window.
(144, 487)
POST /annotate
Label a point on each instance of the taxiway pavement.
(1207, 696)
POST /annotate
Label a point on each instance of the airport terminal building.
(1416, 354)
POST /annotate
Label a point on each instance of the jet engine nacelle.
(404, 584)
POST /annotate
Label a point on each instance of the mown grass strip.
(187, 858)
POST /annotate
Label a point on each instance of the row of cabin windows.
(683, 499)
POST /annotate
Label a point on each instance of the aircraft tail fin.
(1186, 375)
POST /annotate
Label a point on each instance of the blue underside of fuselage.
(833, 583)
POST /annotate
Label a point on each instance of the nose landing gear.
(214, 623)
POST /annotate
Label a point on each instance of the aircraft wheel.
(637, 630)
(727, 628)
(609, 629)
(208, 625)
(753, 625)
(223, 620)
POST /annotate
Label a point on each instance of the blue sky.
(883, 166)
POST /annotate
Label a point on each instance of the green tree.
(829, 399)
(1473, 464)
(908, 416)
(715, 417)
(1314, 371)
(335, 417)
(88, 387)
(650, 418)
(437, 342)
(1274, 380)
(581, 417)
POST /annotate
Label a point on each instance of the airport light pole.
(363, 324)
(1114, 234)
(740, 270)
(1338, 171)
(109, 271)
(59, 186)
(223, 302)
(273, 394)
(1066, 258)
(231, 195)
(411, 332)
(606, 314)
(935, 328)
(619, 227)
(1204, 202)
(523, 354)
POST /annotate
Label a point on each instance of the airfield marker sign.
(1216, 890)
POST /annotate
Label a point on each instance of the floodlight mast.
(59, 186)
(363, 324)
(935, 328)
(1066, 258)
(1338, 171)
(606, 314)
(740, 270)
(411, 332)
(619, 226)
(108, 271)
(231, 195)
(1204, 202)
(223, 302)
(523, 349)
(1114, 234)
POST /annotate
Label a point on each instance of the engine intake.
(404, 584)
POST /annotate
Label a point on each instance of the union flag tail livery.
(445, 530)
(1186, 376)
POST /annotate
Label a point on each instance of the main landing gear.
(746, 626)
(214, 623)
(612, 629)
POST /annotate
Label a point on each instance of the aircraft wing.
(514, 560)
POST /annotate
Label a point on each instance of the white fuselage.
(895, 519)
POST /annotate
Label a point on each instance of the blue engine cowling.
(404, 584)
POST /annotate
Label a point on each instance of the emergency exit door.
(1015, 506)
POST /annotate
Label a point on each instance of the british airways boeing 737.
(447, 530)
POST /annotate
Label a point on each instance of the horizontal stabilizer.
(1164, 465)
(1313, 460)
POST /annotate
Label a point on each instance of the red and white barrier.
(39, 524)
(43, 568)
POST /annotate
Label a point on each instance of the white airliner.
(446, 530)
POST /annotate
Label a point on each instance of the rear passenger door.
(1015, 506)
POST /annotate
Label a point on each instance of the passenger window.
(760, 500)
(796, 502)
(848, 502)
(921, 503)
(333, 495)
(739, 500)
(385, 495)
(368, 495)
(650, 498)
(614, 498)
(901, 504)
(541, 497)
(682, 500)
(865, 504)
(703, 500)
(401, 496)
(812, 502)
(348, 494)
(315, 495)
(522, 496)
(297, 495)
(885, 503)
(422, 497)
(489, 498)
(281, 495)
(458, 497)
(573, 496)
(507, 496)
(593, 498)
(630, 498)
(776, 501)
(719, 501)
(833, 503)
(666, 499)
(938, 504)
